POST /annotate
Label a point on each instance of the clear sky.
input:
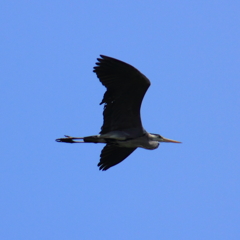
(190, 50)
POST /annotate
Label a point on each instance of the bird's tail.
(94, 139)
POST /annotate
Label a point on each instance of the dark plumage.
(126, 87)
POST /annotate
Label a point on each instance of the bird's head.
(159, 138)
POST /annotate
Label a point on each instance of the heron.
(122, 130)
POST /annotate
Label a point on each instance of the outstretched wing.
(126, 87)
(112, 155)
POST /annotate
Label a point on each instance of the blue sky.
(190, 52)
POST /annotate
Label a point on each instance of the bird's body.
(116, 138)
(122, 129)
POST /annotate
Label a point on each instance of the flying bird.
(122, 129)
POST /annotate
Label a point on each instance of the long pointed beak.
(169, 140)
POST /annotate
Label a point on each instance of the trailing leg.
(69, 139)
(89, 139)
